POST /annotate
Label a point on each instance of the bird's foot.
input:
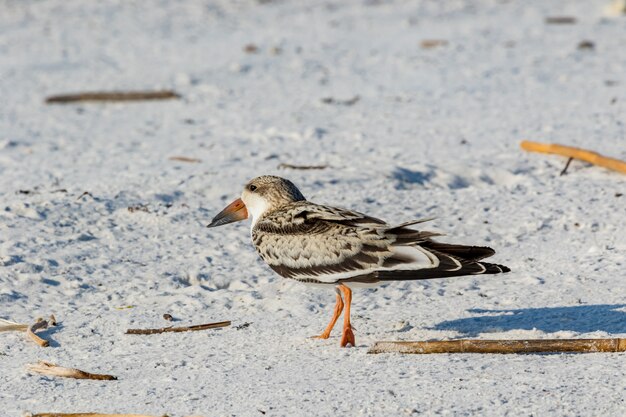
(324, 335)
(347, 338)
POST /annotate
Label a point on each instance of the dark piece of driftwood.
(180, 329)
(502, 346)
(303, 167)
(49, 368)
(113, 96)
(86, 415)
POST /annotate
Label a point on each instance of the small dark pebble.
(168, 317)
(242, 326)
(251, 48)
(560, 20)
(618, 195)
(349, 102)
(24, 192)
(139, 207)
(586, 45)
(433, 43)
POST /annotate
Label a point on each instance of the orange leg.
(347, 337)
(338, 309)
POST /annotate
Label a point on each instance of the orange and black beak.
(233, 212)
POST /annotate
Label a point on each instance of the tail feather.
(468, 253)
(451, 264)
(474, 268)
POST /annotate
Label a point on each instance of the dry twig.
(87, 415)
(303, 167)
(180, 329)
(185, 159)
(113, 96)
(86, 193)
(502, 346)
(49, 368)
(576, 153)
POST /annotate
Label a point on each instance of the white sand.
(435, 132)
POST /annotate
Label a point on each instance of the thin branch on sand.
(49, 368)
(180, 329)
(86, 415)
(576, 153)
(303, 167)
(502, 346)
(185, 159)
(113, 96)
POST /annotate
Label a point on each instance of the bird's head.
(260, 195)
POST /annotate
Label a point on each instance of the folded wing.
(326, 245)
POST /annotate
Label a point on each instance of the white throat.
(255, 205)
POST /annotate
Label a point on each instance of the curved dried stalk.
(38, 325)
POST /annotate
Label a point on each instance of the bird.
(328, 246)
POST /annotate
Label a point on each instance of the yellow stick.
(576, 153)
(502, 346)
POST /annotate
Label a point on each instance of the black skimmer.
(324, 245)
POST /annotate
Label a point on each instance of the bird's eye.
(252, 187)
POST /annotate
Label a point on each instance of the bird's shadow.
(581, 318)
